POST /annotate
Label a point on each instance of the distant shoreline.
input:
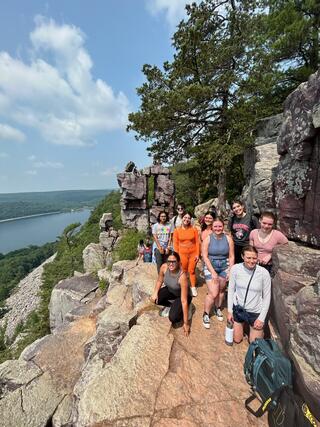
(30, 216)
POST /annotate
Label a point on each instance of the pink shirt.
(276, 238)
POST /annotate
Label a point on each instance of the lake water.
(19, 233)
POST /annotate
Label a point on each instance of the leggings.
(165, 297)
(188, 264)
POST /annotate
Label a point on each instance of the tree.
(292, 32)
(198, 105)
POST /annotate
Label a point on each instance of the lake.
(37, 230)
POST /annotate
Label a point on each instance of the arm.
(282, 240)
(184, 302)
(205, 246)
(251, 238)
(266, 296)
(159, 282)
(231, 291)
(231, 251)
(197, 242)
(176, 240)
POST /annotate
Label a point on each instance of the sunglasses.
(171, 262)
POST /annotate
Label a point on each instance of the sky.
(69, 70)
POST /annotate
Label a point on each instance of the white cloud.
(3, 155)
(32, 157)
(31, 172)
(8, 133)
(174, 9)
(56, 93)
(52, 165)
(110, 171)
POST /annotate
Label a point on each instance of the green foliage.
(103, 286)
(15, 265)
(23, 204)
(127, 247)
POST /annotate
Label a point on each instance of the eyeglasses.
(179, 209)
(171, 262)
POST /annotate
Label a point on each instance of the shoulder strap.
(245, 298)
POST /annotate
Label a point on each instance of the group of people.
(240, 256)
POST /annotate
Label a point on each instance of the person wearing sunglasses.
(172, 291)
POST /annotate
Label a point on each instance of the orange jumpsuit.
(186, 243)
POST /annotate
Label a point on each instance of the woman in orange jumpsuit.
(186, 243)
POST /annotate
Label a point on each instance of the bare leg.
(213, 291)
(237, 332)
(222, 287)
(255, 333)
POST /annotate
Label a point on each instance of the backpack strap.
(272, 400)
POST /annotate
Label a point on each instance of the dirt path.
(204, 385)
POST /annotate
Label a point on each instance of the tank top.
(171, 281)
(218, 248)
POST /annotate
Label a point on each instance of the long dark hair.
(203, 224)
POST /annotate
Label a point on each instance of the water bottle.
(229, 333)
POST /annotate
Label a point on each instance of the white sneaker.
(219, 314)
(164, 312)
(191, 310)
(194, 292)
(206, 321)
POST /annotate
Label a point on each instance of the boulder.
(105, 221)
(93, 258)
(297, 186)
(68, 295)
(33, 387)
(295, 312)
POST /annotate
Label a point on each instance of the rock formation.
(135, 211)
(260, 165)
(99, 255)
(296, 314)
(298, 181)
(24, 300)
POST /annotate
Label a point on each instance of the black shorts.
(241, 316)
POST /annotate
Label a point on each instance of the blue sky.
(68, 77)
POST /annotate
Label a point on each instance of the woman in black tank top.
(175, 295)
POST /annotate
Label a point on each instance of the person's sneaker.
(194, 292)
(191, 310)
(164, 312)
(219, 314)
(206, 321)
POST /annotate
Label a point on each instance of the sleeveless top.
(218, 248)
(171, 281)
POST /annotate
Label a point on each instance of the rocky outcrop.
(70, 297)
(33, 387)
(260, 165)
(296, 313)
(298, 181)
(24, 300)
(134, 185)
(97, 256)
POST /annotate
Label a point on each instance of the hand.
(196, 259)
(167, 251)
(258, 325)
(265, 260)
(230, 317)
(186, 329)
(161, 250)
(154, 297)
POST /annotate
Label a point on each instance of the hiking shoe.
(194, 292)
(206, 321)
(219, 314)
(191, 310)
(164, 312)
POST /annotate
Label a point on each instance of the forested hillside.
(14, 205)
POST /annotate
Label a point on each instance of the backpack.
(147, 255)
(266, 370)
(286, 409)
